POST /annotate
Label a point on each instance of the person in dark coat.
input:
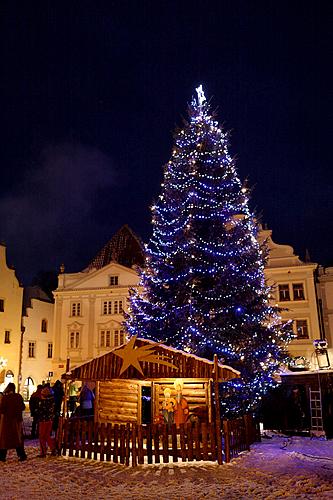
(11, 435)
(58, 394)
(45, 418)
(33, 405)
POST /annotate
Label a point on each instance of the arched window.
(44, 325)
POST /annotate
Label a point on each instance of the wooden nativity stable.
(130, 382)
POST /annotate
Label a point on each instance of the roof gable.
(157, 361)
(100, 278)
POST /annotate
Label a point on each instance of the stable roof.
(146, 360)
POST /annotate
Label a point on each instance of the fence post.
(246, 419)
(134, 455)
(217, 412)
(127, 443)
(226, 440)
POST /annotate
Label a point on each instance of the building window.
(114, 280)
(74, 340)
(284, 294)
(298, 291)
(107, 307)
(118, 307)
(115, 307)
(49, 350)
(105, 338)
(112, 338)
(2, 305)
(44, 326)
(302, 329)
(119, 337)
(32, 350)
(7, 337)
(76, 309)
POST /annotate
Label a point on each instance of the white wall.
(37, 368)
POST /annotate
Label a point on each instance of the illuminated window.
(302, 329)
(49, 350)
(298, 291)
(74, 340)
(32, 350)
(44, 326)
(114, 280)
(284, 293)
(76, 309)
(7, 337)
(2, 305)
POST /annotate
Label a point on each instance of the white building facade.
(89, 313)
(294, 291)
(325, 295)
(37, 349)
(90, 305)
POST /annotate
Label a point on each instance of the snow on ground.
(276, 468)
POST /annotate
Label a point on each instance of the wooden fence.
(133, 444)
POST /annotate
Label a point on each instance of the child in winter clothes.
(45, 418)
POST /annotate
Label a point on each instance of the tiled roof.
(125, 248)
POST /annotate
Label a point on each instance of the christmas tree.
(203, 288)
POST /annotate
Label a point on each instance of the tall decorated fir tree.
(203, 288)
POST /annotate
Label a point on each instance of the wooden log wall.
(118, 401)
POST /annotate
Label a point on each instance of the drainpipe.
(19, 378)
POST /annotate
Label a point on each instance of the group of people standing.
(45, 408)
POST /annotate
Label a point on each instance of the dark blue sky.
(91, 91)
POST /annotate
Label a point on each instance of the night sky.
(91, 92)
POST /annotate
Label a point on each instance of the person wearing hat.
(45, 418)
(11, 435)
